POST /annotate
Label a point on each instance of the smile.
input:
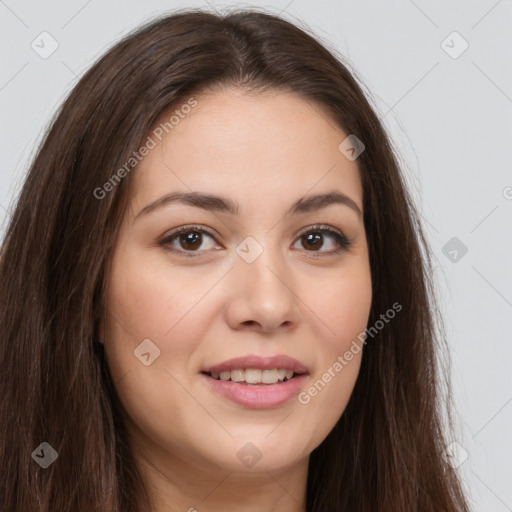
(257, 395)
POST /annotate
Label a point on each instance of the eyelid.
(320, 228)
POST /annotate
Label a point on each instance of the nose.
(262, 296)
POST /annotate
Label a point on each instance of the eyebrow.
(225, 205)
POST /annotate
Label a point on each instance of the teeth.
(281, 374)
(254, 375)
(237, 375)
(269, 376)
(288, 374)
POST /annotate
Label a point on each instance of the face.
(272, 285)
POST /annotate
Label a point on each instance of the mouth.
(257, 382)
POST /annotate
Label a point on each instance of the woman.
(214, 290)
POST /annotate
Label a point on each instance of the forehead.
(259, 148)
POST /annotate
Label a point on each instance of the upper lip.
(264, 363)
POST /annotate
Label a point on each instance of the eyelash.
(341, 240)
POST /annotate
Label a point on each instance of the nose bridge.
(264, 263)
(262, 284)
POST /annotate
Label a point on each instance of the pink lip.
(260, 396)
(263, 363)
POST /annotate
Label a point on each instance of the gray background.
(450, 118)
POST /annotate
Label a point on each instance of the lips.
(265, 392)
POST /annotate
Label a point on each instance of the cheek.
(350, 308)
(151, 300)
(344, 320)
(142, 306)
(145, 304)
(140, 298)
(342, 306)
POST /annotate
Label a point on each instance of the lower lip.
(263, 396)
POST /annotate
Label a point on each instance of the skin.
(265, 151)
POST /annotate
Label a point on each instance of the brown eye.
(314, 239)
(187, 239)
(190, 240)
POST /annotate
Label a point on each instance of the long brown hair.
(386, 451)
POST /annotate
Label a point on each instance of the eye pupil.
(190, 238)
(312, 239)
